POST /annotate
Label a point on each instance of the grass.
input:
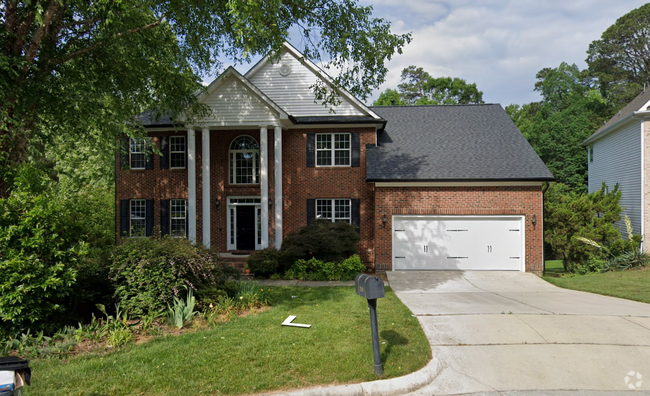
(630, 284)
(252, 354)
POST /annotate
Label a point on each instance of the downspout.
(544, 230)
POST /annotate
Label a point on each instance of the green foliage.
(389, 97)
(621, 57)
(570, 217)
(118, 337)
(148, 273)
(252, 295)
(323, 239)
(263, 263)
(181, 311)
(316, 270)
(41, 245)
(419, 88)
(69, 68)
(60, 344)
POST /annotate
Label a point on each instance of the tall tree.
(69, 66)
(621, 58)
(419, 88)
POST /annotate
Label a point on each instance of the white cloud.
(499, 44)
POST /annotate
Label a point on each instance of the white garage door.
(457, 242)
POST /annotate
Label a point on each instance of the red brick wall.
(153, 184)
(525, 201)
(301, 183)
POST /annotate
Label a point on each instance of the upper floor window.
(138, 218)
(177, 151)
(333, 149)
(333, 209)
(591, 153)
(137, 153)
(244, 161)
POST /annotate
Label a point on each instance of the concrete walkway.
(512, 331)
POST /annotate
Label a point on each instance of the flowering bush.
(148, 273)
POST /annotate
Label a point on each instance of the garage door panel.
(458, 243)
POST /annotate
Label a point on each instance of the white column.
(205, 160)
(191, 186)
(278, 186)
(264, 185)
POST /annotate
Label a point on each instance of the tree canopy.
(620, 60)
(419, 88)
(70, 66)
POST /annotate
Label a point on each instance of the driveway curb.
(388, 387)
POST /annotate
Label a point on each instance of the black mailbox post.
(372, 288)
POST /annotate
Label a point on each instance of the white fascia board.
(231, 71)
(329, 126)
(636, 115)
(459, 184)
(318, 72)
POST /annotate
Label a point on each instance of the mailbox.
(369, 287)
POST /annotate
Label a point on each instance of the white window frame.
(171, 152)
(142, 144)
(333, 149)
(332, 204)
(171, 218)
(232, 161)
(233, 202)
(143, 218)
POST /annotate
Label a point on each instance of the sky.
(498, 44)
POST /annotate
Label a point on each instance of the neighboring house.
(619, 153)
(430, 187)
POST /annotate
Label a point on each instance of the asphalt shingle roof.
(635, 105)
(452, 143)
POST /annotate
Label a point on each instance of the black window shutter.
(187, 149)
(187, 221)
(149, 221)
(311, 150)
(124, 217)
(356, 214)
(164, 217)
(311, 211)
(124, 153)
(164, 152)
(148, 158)
(356, 150)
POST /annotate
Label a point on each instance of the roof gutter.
(598, 135)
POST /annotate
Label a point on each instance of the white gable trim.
(318, 72)
(231, 71)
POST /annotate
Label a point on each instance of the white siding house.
(617, 156)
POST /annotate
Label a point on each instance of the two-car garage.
(458, 242)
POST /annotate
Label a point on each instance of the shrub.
(263, 263)
(148, 273)
(323, 239)
(317, 270)
(40, 246)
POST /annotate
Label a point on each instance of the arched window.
(244, 161)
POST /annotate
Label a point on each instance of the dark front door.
(245, 227)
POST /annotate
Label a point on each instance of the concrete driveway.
(512, 331)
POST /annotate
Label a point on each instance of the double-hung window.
(333, 149)
(244, 161)
(137, 153)
(334, 210)
(138, 218)
(177, 151)
(178, 218)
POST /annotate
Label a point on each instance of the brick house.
(432, 187)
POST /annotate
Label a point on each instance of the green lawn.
(253, 354)
(632, 284)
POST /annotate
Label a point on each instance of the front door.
(245, 227)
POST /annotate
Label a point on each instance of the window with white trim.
(334, 210)
(177, 149)
(178, 218)
(333, 149)
(138, 218)
(244, 161)
(137, 153)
